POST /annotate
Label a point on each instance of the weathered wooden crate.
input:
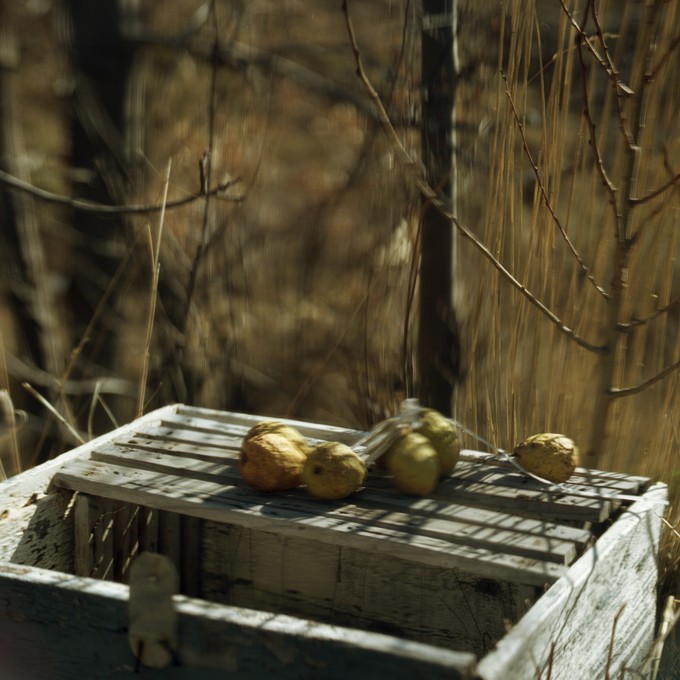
(491, 577)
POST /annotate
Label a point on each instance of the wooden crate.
(490, 577)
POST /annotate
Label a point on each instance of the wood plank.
(127, 541)
(63, 627)
(170, 538)
(134, 451)
(224, 438)
(83, 541)
(102, 535)
(147, 530)
(344, 586)
(188, 417)
(199, 419)
(191, 556)
(613, 582)
(456, 523)
(631, 481)
(528, 499)
(225, 503)
(35, 524)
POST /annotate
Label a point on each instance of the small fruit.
(333, 471)
(414, 465)
(551, 456)
(270, 461)
(280, 428)
(442, 435)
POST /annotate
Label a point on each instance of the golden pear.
(551, 456)
(333, 471)
(414, 465)
(443, 436)
(270, 461)
(288, 431)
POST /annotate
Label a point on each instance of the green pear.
(414, 465)
(443, 436)
(333, 471)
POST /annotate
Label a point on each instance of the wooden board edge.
(527, 645)
(216, 642)
(37, 480)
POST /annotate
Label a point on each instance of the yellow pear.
(414, 465)
(333, 471)
(443, 436)
(270, 461)
(551, 456)
(288, 431)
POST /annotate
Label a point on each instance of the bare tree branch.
(440, 204)
(634, 323)
(673, 181)
(382, 113)
(599, 163)
(544, 194)
(612, 74)
(628, 391)
(604, 62)
(94, 207)
(665, 57)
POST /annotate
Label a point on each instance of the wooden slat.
(490, 488)
(148, 529)
(186, 416)
(83, 543)
(222, 422)
(227, 429)
(228, 503)
(455, 523)
(611, 481)
(481, 506)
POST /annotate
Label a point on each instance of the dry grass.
(525, 375)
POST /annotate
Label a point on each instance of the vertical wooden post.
(438, 342)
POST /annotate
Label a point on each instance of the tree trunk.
(438, 338)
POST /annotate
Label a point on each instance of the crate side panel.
(607, 599)
(359, 588)
(36, 523)
(38, 532)
(59, 627)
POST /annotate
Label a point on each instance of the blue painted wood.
(54, 626)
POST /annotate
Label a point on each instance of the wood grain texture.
(36, 526)
(609, 593)
(484, 517)
(229, 503)
(449, 569)
(58, 627)
(337, 584)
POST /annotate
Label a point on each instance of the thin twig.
(373, 94)
(544, 194)
(628, 391)
(85, 205)
(604, 62)
(610, 654)
(634, 323)
(156, 268)
(440, 203)
(599, 162)
(34, 393)
(673, 181)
